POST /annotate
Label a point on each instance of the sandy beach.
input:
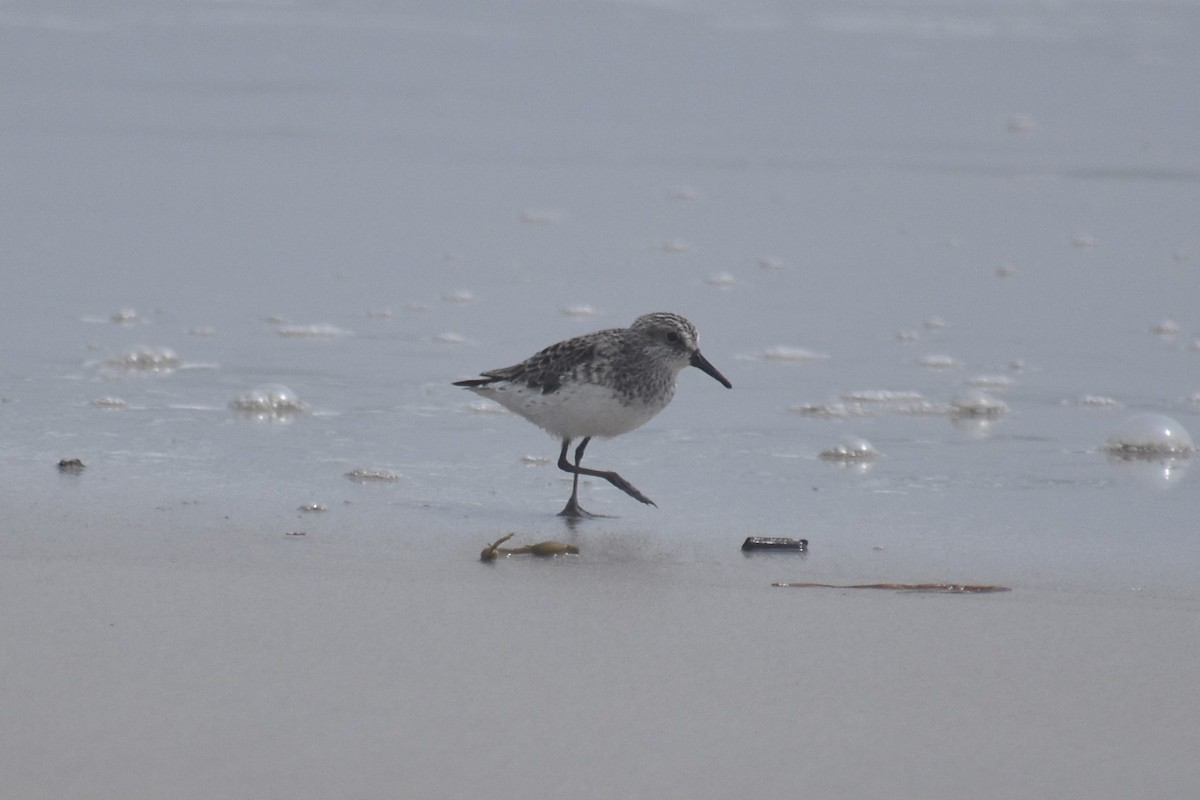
(250, 245)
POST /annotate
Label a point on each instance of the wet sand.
(958, 233)
(357, 663)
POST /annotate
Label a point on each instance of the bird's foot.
(573, 511)
(628, 488)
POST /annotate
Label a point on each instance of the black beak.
(701, 363)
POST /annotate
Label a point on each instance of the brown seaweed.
(548, 548)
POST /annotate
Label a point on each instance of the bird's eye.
(673, 337)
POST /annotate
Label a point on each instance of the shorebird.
(600, 384)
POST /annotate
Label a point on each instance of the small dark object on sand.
(943, 588)
(775, 543)
(71, 465)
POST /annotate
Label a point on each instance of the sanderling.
(601, 384)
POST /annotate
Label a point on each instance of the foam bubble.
(991, 381)
(785, 353)
(975, 403)
(269, 401)
(850, 450)
(147, 359)
(318, 331)
(374, 475)
(1150, 436)
(827, 410)
(881, 396)
(1097, 401)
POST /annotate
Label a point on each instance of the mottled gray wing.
(547, 368)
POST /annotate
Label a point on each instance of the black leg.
(572, 508)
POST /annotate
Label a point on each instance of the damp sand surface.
(945, 254)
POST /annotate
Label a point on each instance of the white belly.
(575, 410)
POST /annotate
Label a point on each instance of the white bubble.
(882, 397)
(1150, 436)
(374, 475)
(147, 359)
(851, 450)
(318, 331)
(268, 401)
(975, 403)
(922, 408)
(785, 353)
(1098, 401)
(827, 410)
(991, 381)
